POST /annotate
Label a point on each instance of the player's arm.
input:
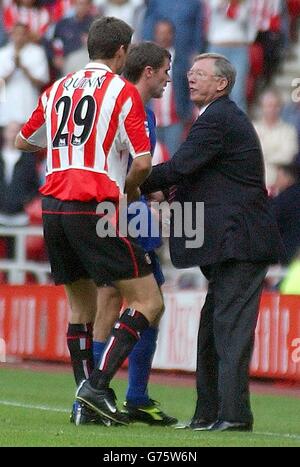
(33, 136)
(138, 144)
(23, 145)
(140, 169)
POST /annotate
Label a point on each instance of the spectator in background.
(169, 125)
(3, 39)
(290, 285)
(188, 19)
(291, 114)
(230, 31)
(58, 9)
(123, 9)
(294, 11)
(285, 27)
(28, 12)
(18, 178)
(140, 12)
(24, 68)
(279, 140)
(2, 29)
(271, 20)
(70, 36)
(287, 208)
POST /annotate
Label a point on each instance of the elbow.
(23, 145)
(19, 143)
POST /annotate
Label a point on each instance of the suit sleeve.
(203, 144)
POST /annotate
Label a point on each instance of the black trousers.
(226, 339)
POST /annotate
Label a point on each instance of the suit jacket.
(286, 208)
(23, 186)
(221, 164)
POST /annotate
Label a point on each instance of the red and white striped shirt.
(266, 14)
(90, 121)
(37, 19)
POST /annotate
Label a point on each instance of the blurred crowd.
(42, 40)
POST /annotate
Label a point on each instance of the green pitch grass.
(35, 406)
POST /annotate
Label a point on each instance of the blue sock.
(139, 367)
(98, 348)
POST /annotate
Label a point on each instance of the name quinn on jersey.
(81, 83)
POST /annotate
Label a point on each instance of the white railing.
(19, 265)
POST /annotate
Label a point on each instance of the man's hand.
(17, 61)
(158, 197)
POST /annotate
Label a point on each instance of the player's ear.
(148, 71)
(223, 83)
(121, 52)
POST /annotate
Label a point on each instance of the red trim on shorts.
(135, 264)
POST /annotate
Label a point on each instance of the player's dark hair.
(106, 35)
(142, 55)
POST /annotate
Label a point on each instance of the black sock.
(80, 345)
(124, 336)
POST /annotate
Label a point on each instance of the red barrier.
(33, 323)
(277, 337)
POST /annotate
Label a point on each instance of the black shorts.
(76, 251)
(152, 257)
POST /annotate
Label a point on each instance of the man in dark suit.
(221, 164)
(286, 207)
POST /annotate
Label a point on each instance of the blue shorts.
(156, 268)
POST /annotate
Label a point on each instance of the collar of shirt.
(99, 66)
(202, 109)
